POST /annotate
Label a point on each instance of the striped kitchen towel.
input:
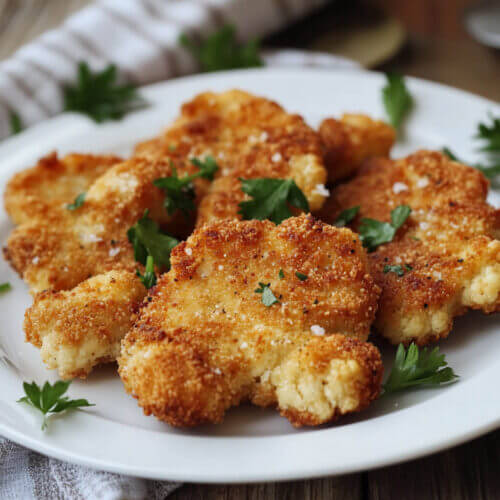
(140, 37)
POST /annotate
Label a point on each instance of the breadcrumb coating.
(449, 241)
(80, 328)
(350, 141)
(204, 340)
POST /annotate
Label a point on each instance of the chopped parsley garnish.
(148, 279)
(281, 274)
(346, 216)
(268, 298)
(79, 200)
(49, 399)
(5, 287)
(374, 233)
(397, 100)
(179, 192)
(414, 368)
(221, 51)
(98, 95)
(271, 199)
(399, 270)
(16, 125)
(147, 239)
(302, 277)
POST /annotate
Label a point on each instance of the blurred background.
(448, 41)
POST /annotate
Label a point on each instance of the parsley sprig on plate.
(418, 368)
(179, 191)
(346, 216)
(374, 233)
(98, 95)
(16, 125)
(5, 287)
(148, 240)
(221, 51)
(148, 279)
(271, 199)
(398, 101)
(49, 399)
(268, 297)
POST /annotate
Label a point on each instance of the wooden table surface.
(440, 50)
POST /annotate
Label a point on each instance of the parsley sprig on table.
(221, 51)
(148, 279)
(179, 191)
(397, 269)
(346, 216)
(414, 368)
(271, 199)
(148, 240)
(98, 95)
(398, 102)
(49, 399)
(374, 233)
(79, 200)
(268, 298)
(5, 287)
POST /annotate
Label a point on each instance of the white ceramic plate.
(252, 444)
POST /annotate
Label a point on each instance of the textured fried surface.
(204, 341)
(350, 141)
(449, 240)
(78, 329)
(249, 137)
(51, 184)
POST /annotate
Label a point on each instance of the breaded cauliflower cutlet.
(449, 241)
(80, 328)
(348, 142)
(205, 341)
(52, 183)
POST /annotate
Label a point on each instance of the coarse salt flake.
(114, 251)
(422, 182)
(317, 330)
(221, 267)
(188, 251)
(263, 137)
(243, 345)
(276, 157)
(397, 187)
(321, 189)
(35, 260)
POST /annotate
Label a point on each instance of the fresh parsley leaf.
(148, 279)
(397, 100)
(147, 239)
(490, 134)
(413, 368)
(399, 270)
(271, 198)
(302, 277)
(268, 298)
(489, 171)
(79, 200)
(49, 399)
(281, 274)
(346, 216)
(16, 125)
(374, 233)
(98, 95)
(5, 287)
(221, 50)
(179, 192)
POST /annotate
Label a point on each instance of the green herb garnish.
(179, 192)
(489, 171)
(413, 368)
(271, 198)
(148, 240)
(16, 125)
(397, 100)
(399, 270)
(268, 298)
(302, 277)
(346, 216)
(49, 399)
(221, 50)
(281, 274)
(148, 279)
(79, 200)
(374, 233)
(5, 287)
(490, 134)
(98, 95)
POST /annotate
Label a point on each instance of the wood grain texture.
(439, 50)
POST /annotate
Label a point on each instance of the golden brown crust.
(350, 141)
(449, 241)
(204, 341)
